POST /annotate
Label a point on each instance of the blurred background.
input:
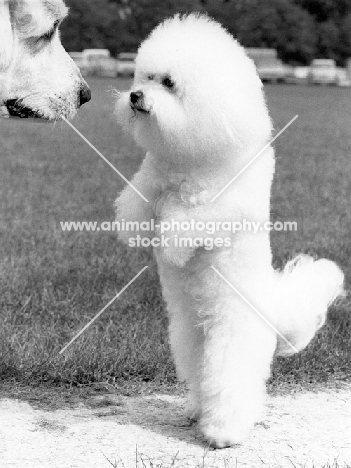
(292, 41)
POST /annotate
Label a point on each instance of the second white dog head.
(195, 94)
(38, 79)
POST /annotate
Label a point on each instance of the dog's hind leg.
(239, 347)
(186, 339)
(186, 342)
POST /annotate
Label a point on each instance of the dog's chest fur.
(179, 189)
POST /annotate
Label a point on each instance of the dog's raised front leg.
(133, 209)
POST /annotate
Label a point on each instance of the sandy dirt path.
(302, 430)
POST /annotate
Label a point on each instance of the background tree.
(279, 24)
(93, 24)
(299, 29)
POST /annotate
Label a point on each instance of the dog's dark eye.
(168, 83)
(50, 34)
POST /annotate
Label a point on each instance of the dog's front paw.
(177, 256)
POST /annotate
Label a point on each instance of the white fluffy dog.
(197, 107)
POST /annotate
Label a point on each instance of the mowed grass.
(52, 282)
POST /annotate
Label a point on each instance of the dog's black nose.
(135, 96)
(84, 95)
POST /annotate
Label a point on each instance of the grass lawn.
(52, 282)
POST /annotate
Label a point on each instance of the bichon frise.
(197, 106)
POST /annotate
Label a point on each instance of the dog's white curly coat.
(198, 135)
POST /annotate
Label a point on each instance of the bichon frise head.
(195, 94)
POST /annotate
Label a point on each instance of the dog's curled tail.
(306, 288)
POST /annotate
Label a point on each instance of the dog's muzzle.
(16, 109)
(137, 101)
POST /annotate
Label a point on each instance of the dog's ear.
(6, 41)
